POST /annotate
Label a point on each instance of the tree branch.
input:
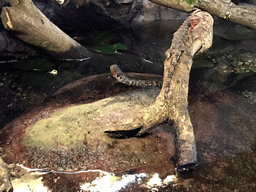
(30, 25)
(182, 5)
(242, 15)
(225, 9)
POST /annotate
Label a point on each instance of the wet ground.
(222, 98)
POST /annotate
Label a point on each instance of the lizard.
(120, 77)
(175, 50)
(194, 36)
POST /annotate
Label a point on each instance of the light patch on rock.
(111, 183)
(31, 181)
(31, 185)
(169, 179)
(155, 181)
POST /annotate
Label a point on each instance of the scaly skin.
(122, 78)
(194, 36)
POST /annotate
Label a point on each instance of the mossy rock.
(79, 131)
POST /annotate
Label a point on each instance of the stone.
(222, 128)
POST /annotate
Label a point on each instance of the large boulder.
(66, 134)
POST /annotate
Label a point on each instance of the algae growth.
(191, 2)
(82, 124)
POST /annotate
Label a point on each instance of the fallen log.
(30, 25)
(194, 36)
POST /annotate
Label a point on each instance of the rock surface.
(222, 129)
(74, 137)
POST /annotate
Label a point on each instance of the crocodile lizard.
(118, 74)
(193, 36)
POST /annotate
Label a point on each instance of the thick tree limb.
(195, 35)
(31, 26)
(182, 5)
(225, 9)
(242, 15)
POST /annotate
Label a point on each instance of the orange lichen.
(193, 23)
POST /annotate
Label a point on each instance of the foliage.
(102, 44)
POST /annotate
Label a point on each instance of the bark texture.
(5, 176)
(194, 35)
(30, 25)
(183, 5)
(225, 9)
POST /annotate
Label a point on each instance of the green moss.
(61, 129)
(191, 2)
(81, 124)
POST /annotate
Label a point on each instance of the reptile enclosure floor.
(66, 133)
